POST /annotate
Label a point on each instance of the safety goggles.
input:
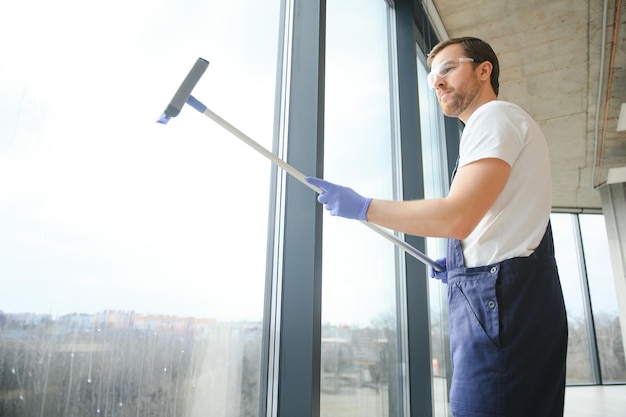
(444, 69)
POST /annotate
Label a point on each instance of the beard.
(458, 100)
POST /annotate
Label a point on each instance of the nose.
(438, 82)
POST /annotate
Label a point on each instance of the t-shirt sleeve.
(494, 133)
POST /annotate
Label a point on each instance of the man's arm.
(474, 190)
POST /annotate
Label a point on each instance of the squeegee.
(183, 96)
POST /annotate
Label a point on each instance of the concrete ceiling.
(549, 54)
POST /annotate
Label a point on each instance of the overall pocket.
(475, 342)
(475, 298)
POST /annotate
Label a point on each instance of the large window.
(359, 375)
(128, 286)
(595, 348)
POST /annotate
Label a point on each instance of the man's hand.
(341, 201)
(440, 275)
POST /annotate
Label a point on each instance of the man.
(508, 326)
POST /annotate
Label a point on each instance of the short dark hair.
(474, 48)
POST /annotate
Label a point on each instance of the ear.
(485, 69)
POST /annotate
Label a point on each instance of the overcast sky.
(101, 207)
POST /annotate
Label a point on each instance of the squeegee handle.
(269, 155)
(302, 178)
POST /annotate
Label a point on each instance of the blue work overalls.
(508, 335)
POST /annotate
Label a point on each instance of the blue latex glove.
(341, 201)
(443, 274)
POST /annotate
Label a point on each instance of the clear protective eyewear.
(444, 69)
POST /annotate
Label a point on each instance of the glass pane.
(603, 298)
(359, 359)
(121, 293)
(579, 369)
(436, 185)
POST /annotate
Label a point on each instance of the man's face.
(460, 86)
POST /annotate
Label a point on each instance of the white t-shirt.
(516, 223)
